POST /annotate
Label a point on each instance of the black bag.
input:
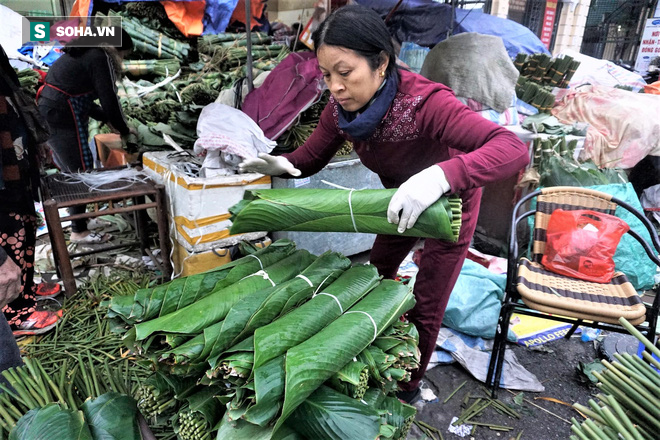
(35, 124)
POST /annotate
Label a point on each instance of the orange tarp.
(256, 7)
(186, 16)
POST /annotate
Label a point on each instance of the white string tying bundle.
(260, 263)
(341, 309)
(301, 276)
(350, 203)
(370, 318)
(321, 285)
(263, 274)
(95, 180)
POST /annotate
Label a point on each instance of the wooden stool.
(58, 193)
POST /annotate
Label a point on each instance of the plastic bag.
(581, 244)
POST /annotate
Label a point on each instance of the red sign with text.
(548, 22)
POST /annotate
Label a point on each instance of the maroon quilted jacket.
(425, 125)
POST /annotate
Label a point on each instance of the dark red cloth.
(425, 125)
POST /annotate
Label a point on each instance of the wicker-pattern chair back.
(568, 199)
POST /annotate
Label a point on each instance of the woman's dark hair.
(360, 29)
(76, 51)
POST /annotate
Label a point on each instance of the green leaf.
(214, 307)
(330, 415)
(299, 325)
(269, 393)
(169, 297)
(112, 416)
(314, 361)
(49, 422)
(242, 430)
(518, 398)
(329, 210)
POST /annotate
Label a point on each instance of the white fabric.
(602, 72)
(227, 136)
(415, 195)
(269, 165)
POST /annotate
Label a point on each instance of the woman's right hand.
(10, 282)
(269, 165)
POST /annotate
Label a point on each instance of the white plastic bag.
(226, 136)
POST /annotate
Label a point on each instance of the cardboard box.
(190, 263)
(199, 207)
(110, 151)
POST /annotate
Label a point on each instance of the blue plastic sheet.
(217, 15)
(474, 304)
(426, 23)
(516, 37)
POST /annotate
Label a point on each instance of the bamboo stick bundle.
(573, 66)
(131, 95)
(519, 62)
(544, 63)
(151, 67)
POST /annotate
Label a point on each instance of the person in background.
(66, 101)
(418, 138)
(18, 177)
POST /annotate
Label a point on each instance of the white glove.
(415, 195)
(269, 165)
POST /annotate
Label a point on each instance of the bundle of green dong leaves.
(279, 344)
(336, 210)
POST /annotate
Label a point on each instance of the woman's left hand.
(415, 195)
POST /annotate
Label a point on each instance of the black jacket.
(91, 71)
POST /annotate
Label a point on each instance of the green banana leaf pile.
(335, 210)
(111, 416)
(243, 358)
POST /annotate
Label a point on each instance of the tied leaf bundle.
(214, 307)
(352, 380)
(332, 210)
(257, 310)
(340, 341)
(398, 416)
(169, 297)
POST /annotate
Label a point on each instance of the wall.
(571, 26)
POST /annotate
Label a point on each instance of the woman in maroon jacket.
(416, 136)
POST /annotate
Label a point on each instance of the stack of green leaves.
(29, 80)
(333, 210)
(166, 298)
(553, 157)
(194, 318)
(208, 44)
(538, 96)
(546, 71)
(257, 310)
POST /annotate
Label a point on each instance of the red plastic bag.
(580, 244)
